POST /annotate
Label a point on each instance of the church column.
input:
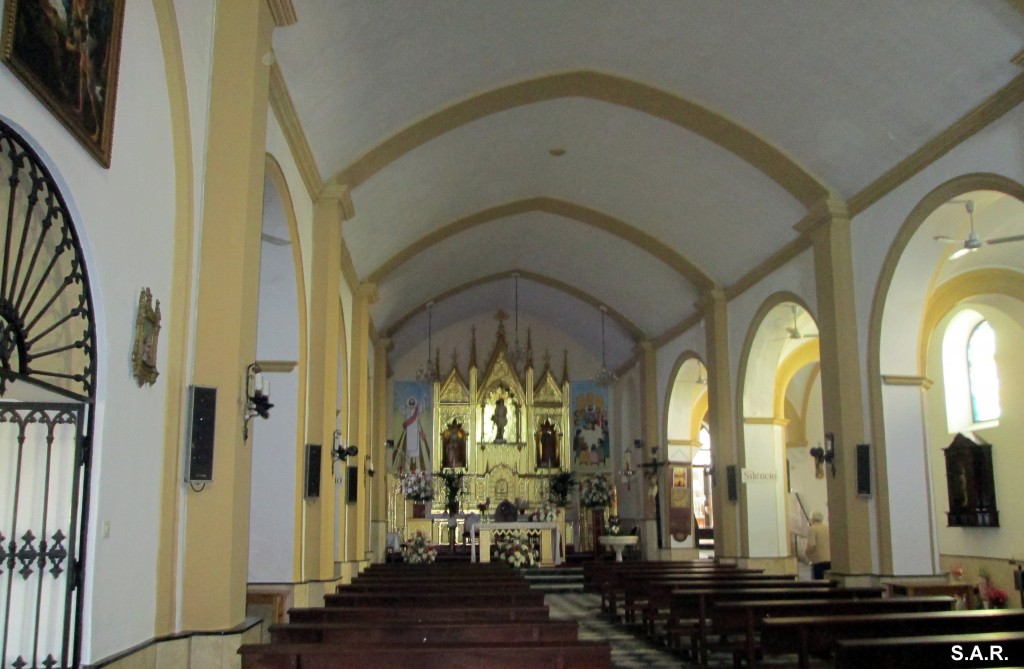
(720, 420)
(376, 487)
(216, 516)
(841, 394)
(651, 435)
(331, 208)
(359, 425)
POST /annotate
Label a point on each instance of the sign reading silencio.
(753, 476)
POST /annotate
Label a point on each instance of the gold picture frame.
(147, 335)
(69, 59)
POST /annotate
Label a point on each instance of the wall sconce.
(370, 470)
(257, 397)
(340, 451)
(823, 455)
(627, 472)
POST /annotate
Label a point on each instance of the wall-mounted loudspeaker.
(313, 453)
(863, 469)
(202, 413)
(353, 484)
(730, 481)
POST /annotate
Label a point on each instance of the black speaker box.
(730, 481)
(202, 414)
(313, 453)
(863, 469)
(353, 484)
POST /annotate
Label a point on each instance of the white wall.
(125, 217)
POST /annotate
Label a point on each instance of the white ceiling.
(641, 212)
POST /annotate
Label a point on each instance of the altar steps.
(555, 579)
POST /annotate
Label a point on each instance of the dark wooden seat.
(436, 599)
(358, 633)
(816, 635)
(421, 614)
(744, 618)
(994, 649)
(690, 610)
(539, 655)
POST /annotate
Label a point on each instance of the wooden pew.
(361, 633)
(418, 614)
(994, 649)
(637, 592)
(439, 587)
(594, 573)
(540, 655)
(745, 617)
(816, 635)
(690, 610)
(455, 597)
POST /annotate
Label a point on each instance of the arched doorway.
(781, 482)
(47, 391)
(690, 503)
(920, 309)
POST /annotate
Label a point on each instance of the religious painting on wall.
(453, 444)
(680, 503)
(590, 447)
(67, 53)
(412, 420)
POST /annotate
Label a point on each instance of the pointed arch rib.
(557, 207)
(714, 127)
(626, 324)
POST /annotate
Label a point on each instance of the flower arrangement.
(596, 492)
(996, 598)
(517, 550)
(419, 550)
(613, 528)
(418, 487)
(560, 488)
(452, 489)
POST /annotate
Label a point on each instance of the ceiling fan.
(973, 242)
(794, 331)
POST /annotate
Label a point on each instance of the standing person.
(818, 552)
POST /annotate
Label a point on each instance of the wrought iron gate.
(47, 389)
(41, 465)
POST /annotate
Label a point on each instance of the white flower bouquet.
(517, 550)
(418, 486)
(596, 492)
(419, 550)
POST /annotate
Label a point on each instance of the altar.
(550, 546)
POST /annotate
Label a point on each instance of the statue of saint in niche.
(500, 420)
(547, 445)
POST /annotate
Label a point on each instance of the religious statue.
(547, 439)
(454, 440)
(500, 419)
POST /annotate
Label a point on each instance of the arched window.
(982, 374)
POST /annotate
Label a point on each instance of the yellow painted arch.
(558, 207)
(604, 87)
(635, 332)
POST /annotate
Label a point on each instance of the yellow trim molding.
(557, 207)
(623, 322)
(714, 127)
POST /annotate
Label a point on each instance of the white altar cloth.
(550, 554)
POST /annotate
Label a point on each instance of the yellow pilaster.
(359, 408)
(322, 375)
(649, 425)
(376, 488)
(841, 393)
(216, 541)
(720, 419)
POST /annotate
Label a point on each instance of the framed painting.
(67, 53)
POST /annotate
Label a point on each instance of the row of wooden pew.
(447, 615)
(720, 607)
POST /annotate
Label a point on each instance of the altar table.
(549, 550)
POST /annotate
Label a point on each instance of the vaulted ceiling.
(627, 154)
